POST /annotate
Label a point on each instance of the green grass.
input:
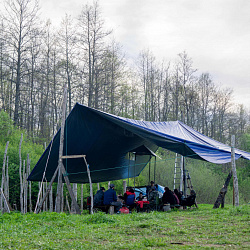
(204, 228)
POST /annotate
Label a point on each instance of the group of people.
(176, 198)
(153, 196)
(109, 197)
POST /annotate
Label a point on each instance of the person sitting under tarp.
(190, 200)
(150, 188)
(99, 196)
(142, 203)
(169, 198)
(154, 199)
(179, 194)
(110, 198)
(129, 198)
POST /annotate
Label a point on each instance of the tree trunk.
(221, 197)
(20, 174)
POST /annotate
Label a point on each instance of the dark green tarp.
(106, 140)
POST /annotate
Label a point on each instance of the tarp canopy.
(118, 148)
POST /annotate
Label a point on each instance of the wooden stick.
(235, 179)
(72, 156)
(7, 179)
(81, 197)
(51, 200)
(90, 186)
(39, 206)
(3, 184)
(75, 194)
(5, 201)
(60, 164)
(66, 178)
(20, 174)
(24, 188)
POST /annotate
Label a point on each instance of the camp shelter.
(108, 140)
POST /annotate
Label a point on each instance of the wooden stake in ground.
(4, 181)
(24, 189)
(6, 203)
(90, 186)
(81, 197)
(235, 179)
(60, 169)
(60, 163)
(20, 174)
(51, 200)
(75, 194)
(30, 200)
(7, 179)
(221, 197)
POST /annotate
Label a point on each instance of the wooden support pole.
(134, 171)
(181, 167)
(154, 169)
(20, 175)
(60, 164)
(235, 179)
(90, 185)
(66, 178)
(4, 181)
(75, 194)
(124, 186)
(175, 169)
(24, 189)
(39, 206)
(51, 200)
(7, 179)
(128, 166)
(149, 169)
(81, 197)
(184, 178)
(6, 203)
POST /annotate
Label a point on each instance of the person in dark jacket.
(99, 196)
(190, 200)
(110, 198)
(168, 197)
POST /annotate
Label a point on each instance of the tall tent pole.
(60, 163)
(184, 178)
(149, 170)
(235, 179)
(90, 186)
(134, 171)
(181, 168)
(128, 166)
(154, 169)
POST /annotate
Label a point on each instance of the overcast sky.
(214, 33)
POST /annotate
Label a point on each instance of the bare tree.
(91, 38)
(20, 19)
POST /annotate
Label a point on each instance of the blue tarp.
(106, 140)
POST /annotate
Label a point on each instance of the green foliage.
(13, 135)
(183, 229)
(6, 126)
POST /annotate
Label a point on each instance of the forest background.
(37, 59)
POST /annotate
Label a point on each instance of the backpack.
(124, 210)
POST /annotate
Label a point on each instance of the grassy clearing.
(191, 229)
